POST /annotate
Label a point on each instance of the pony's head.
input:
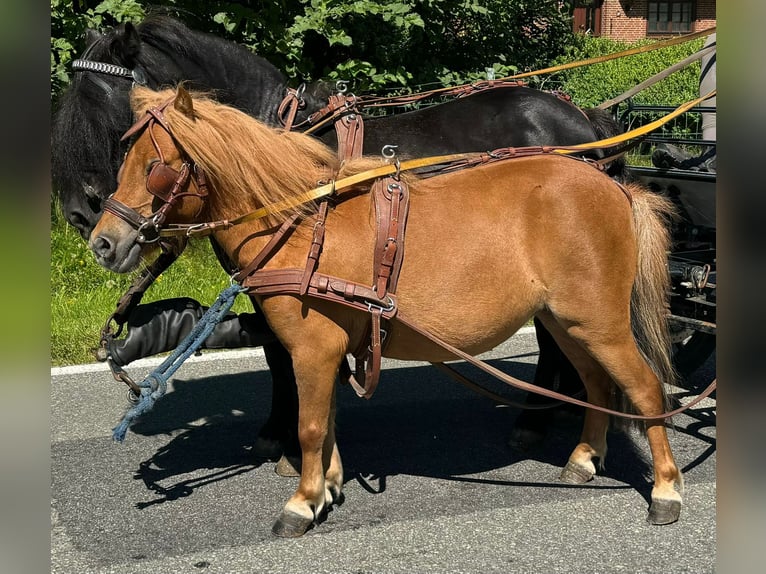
(194, 160)
(92, 115)
(157, 183)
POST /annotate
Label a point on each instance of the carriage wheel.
(690, 350)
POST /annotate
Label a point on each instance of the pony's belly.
(407, 345)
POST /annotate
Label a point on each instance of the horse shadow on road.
(419, 423)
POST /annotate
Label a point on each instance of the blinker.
(161, 179)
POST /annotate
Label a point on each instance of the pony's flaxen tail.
(652, 214)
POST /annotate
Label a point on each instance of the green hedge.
(382, 45)
(596, 83)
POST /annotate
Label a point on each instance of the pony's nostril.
(80, 222)
(102, 247)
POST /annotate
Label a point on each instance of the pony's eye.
(150, 165)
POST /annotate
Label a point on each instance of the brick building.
(630, 20)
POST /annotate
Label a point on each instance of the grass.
(84, 295)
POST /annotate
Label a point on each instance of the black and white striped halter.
(85, 65)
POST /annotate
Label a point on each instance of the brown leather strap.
(349, 129)
(463, 380)
(271, 247)
(288, 108)
(368, 369)
(315, 248)
(321, 286)
(391, 199)
(514, 382)
(456, 91)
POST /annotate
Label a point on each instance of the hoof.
(575, 474)
(524, 439)
(664, 512)
(288, 466)
(268, 448)
(291, 525)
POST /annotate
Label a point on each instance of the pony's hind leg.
(644, 390)
(580, 467)
(619, 359)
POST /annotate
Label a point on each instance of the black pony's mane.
(87, 124)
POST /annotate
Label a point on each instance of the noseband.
(163, 182)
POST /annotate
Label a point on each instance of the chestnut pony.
(487, 248)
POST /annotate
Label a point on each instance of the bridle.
(84, 64)
(163, 182)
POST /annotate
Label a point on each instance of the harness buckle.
(391, 305)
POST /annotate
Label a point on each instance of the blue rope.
(155, 385)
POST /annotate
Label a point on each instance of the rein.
(447, 162)
(465, 89)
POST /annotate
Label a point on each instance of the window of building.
(670, 17)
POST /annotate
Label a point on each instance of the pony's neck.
(242, 244)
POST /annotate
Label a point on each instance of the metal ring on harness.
(391, 305)
(388, 152)
(391, 187)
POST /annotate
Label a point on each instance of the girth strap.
(321, 286)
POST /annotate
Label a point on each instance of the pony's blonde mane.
(248, 164)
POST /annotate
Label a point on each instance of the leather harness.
(391, 200)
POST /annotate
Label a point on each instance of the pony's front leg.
(321, 469)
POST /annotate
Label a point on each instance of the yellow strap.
(332, 187)
(631, 52)
(647, 48)
(639, 131)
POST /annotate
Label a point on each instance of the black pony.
(94, 112)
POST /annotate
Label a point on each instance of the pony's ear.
(91, 36)
(183, 102)
(126, 45)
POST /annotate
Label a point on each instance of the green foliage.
(374, 44)
(70, 20)
(590, 85)
(596, 83)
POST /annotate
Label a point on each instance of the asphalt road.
(431, 483)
